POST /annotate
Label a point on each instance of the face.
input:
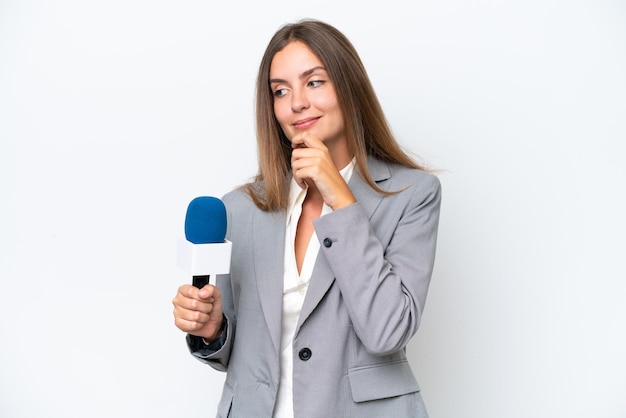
(304, 95)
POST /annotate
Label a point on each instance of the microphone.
(204, 253)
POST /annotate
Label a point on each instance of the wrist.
(343, 203)
(217, 334)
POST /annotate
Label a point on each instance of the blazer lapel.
(269, 237)
(322, 277)
(364, 194)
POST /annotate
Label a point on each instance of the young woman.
(333, 248)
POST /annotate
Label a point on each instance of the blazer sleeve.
(215, 354)
(384, 283)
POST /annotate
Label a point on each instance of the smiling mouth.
(305, 123)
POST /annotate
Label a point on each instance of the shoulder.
(414, 174)
(391, 176)
(419, 188)
(237, 199)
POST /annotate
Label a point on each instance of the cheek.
(328, 104)
(334, 112)
(281, 117)
(279, 112)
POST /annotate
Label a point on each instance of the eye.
(315, 83)
(280, 92)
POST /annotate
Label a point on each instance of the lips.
(305, 123)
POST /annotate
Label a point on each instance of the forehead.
(293, 60)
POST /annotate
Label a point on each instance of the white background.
(115, 114)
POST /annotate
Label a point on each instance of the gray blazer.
(363, 304)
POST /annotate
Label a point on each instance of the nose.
(299, 100)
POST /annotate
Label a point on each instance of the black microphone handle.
(200, 281)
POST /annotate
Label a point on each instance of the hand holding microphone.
(199, 311)
(203, 253)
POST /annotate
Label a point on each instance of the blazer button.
(328, 242)
(305, 354)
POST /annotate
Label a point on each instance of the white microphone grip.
(204, 259)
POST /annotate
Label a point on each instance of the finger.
(209, 293)
(188, 291)
(188, 326)
(192, 292)
(206, 292)
(297, 141)
(307, 140)
(201, 317)
(307, 156)
(191, 304)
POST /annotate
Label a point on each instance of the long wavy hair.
(367, 129)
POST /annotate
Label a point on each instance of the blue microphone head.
(205, 222)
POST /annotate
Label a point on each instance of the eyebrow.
(303, 75)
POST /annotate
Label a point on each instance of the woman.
(333, 248)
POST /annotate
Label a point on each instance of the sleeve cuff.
(200, 348)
